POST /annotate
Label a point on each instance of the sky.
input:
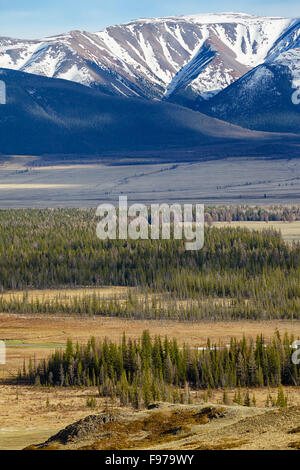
(35, 19)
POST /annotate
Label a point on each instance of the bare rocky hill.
(188, 427)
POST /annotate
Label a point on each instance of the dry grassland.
(290, 230)
(107, 293)
(30, 415)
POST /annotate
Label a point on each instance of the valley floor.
(24, 183)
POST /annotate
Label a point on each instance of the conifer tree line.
(140, 371)
(262, 304)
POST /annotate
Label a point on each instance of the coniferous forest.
(150, 369)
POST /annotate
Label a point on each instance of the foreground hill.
(51, 116)
(188, 427)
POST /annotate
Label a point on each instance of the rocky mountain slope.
(184, 59)
(268, 97)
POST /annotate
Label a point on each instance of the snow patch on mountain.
(258, 77)
(291, 59)
(192, 70)
(211, 81)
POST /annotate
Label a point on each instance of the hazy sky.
(33, 18)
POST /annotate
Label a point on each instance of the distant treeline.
(147, 369)
(252, 213)
(272, 295)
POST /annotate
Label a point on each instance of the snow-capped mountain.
(182, 59)
(268, 97)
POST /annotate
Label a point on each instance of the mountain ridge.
(142, 57)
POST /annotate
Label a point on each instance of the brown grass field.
(109, 292)
(290, 231)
